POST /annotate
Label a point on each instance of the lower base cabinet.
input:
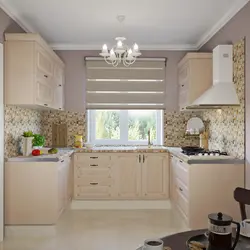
(197, 190)
(36, 193)
(116, 176)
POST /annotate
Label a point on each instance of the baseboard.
(120, 205)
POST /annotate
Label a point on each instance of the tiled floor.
(95, 230)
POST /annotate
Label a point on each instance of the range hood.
(223, 92)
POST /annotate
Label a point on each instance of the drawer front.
(182, 188)
(92, 161)
(92, 191)
(182, 202)
(89, 172)
(182, 171)
(94, 181)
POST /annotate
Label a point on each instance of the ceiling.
(153, 24)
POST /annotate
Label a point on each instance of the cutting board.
(59, 135)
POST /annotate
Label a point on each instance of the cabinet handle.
(93, 165)
(180, 189)
(45, 76)
(143, 158)
(45, 104)
(60, 108)
(139, 158)
(60, 85)
(182, 85)
(62, 160)
(172, 156)
(93, 157)
(93, 183)
(181, 161)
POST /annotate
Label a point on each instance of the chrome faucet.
(149, 138)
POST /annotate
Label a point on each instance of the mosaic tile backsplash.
(226, 126)
(76, 124)
(18, 120)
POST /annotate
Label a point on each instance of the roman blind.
(139, 86)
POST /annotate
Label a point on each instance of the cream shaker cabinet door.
(44, 93)
(44, 62)
(58, 78)
(59, 97)
(127, 176)
(155, 176)
(172, 177)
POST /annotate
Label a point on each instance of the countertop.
(62, 153)
(176, 151)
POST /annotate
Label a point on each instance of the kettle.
(220, 232)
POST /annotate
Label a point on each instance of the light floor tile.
(95, 230)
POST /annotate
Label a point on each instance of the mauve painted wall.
(75, 76)
(233, 31)
(7, 25)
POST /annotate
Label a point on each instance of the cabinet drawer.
(94, 181)
(92, 160)
(83, 172)
(182, 171)
(92, 191)
(182, 202)
(182, 188)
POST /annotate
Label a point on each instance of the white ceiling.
(153, 24)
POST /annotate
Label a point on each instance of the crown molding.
(221, 23)
(5, 6)
(61, 46)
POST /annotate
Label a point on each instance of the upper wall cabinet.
(194, 77)
(34, 74)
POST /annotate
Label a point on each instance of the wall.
(17, 120)
(174, 126)
(75, 76)
(226, 126)
(233, 31)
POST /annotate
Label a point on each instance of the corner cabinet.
(34, 74)
(194, 77)
(117, 176)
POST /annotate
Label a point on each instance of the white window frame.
(124, 130)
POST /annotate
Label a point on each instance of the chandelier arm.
(107, 60)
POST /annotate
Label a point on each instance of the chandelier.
(120, 53)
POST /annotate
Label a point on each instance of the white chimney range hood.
(223, 92)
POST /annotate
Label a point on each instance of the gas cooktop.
(206, 155)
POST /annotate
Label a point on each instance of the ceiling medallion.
(120, 53)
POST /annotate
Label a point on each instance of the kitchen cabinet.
(36, 193)
(155, 176)
(93, 178)
(127, 169)
(120, 176)
(197, 190)
(194, 77)
(39, 72)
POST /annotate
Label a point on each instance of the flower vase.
(27, 145)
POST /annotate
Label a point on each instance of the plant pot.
(27, 145)
(37, 147)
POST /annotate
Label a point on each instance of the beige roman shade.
(139, 86)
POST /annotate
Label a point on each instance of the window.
(125, 126)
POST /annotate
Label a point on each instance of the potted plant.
(38, 141)
(27, 139)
